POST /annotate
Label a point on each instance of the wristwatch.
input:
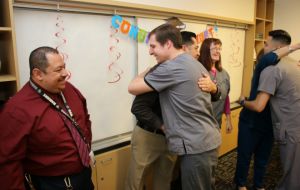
(242, 102)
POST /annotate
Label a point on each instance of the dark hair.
(38, 58)
(281, 36)
(166, 32)
(205, 57)
(175, 22)
(187, 37)
(259, 55)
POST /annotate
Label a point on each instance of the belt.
(151, 129)
(80, 180)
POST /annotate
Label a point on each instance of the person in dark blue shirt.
(255, 136)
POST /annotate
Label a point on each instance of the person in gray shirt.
(210, 57)
(190, 128)
(281, 85)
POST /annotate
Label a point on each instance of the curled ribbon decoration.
(62, 41)
(114, 70)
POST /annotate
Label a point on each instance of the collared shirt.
(187, 111)
(147, 111)
(282, 82)
(34, 138)
(262, 120)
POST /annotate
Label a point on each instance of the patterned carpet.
(226, 170)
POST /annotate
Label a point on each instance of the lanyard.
(68, 114)
(213, 73)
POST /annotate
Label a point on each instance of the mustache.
(63, 78)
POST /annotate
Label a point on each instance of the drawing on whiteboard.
(115, 71)
(61, 39)
(234, 56)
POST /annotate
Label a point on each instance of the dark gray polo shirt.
(283, 83)
(187, 111)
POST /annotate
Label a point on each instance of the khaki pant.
(149, 150)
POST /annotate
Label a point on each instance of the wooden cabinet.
(255, 39)
(9, 83)
(229, 140)
(112, 168)
(263, 22)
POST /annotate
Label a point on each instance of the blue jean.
(252, 141)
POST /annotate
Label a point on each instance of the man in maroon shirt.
(41, 128)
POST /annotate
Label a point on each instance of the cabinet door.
(94, 178)
(112, 168)
(229, 140)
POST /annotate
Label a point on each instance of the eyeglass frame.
(216, 49)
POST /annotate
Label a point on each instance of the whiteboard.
(233, 41)
(88, 57)
(103, 61)
(145, 60)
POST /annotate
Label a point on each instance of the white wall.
(287, 17)
(242, 10)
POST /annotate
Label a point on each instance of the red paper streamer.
(115, 55)
(62, 41)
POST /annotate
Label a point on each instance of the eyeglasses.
(216, 49)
